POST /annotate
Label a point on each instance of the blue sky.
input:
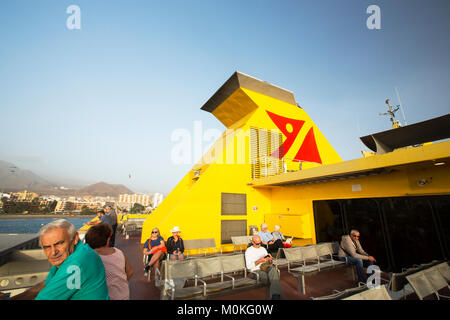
(100, 103)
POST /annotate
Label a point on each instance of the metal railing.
(265, 166)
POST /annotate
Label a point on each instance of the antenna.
(391, 112)
(401, 107)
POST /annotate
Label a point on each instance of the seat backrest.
(377, 293)
(199, 243)
(335, 296)
(209, 266)
(293, 254)
(444, 269)
(279, 253)
(399, 281)
(241, 240)
(309, 252)
(323, 249)
(181, 268)
(233, 262)
(436, 279)
(354, 297)
(335, 247)
(421, 285)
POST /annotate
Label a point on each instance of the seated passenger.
(268, 241)
(77, 272)
(155, 248)
(277, 235)
(351, 249)
(175, 246)
(118, 268)
(257, 256)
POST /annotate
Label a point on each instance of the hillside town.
(27, 202)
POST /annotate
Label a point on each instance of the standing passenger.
(118, 268)
(112, 213)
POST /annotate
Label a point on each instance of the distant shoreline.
(41, 216)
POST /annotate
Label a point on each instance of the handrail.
(270, 166)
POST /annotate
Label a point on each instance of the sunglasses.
(355, 236)
(154, 231)
(257, 243)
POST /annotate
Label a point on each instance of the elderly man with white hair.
(277, 235)
(268, 240)
(77, 271)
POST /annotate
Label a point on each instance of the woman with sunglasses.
(155, 249)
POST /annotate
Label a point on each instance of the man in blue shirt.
(102, 217)
(267, 239)
(77, 272)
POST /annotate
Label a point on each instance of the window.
(412, 232)
(328, 219)
(399, 231)
(365, 216)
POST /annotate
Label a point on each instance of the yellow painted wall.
(195, 204)
(294, 204)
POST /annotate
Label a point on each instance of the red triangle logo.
(282, 123)
(308, 151)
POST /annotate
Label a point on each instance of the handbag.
(265, 265)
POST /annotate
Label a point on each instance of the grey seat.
(376, 293)
(427, 283)
(200, 245)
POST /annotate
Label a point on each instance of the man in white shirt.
(255, 256)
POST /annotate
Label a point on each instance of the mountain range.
(14, 179)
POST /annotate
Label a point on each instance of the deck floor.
(319, 284)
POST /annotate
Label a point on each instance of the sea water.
(33, 225)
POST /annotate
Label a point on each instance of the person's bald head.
(256, 241)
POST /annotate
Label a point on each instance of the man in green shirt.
(77, 272)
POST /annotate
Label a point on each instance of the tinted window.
(442, 209)
(412, 232)
(328, 220)
(364, 215)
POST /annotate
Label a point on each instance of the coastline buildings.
(146, 200)
(25, 196)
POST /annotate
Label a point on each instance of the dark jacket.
(172, 246)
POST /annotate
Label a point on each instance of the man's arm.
(31, 293)
(350, 249)
(128, 268)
